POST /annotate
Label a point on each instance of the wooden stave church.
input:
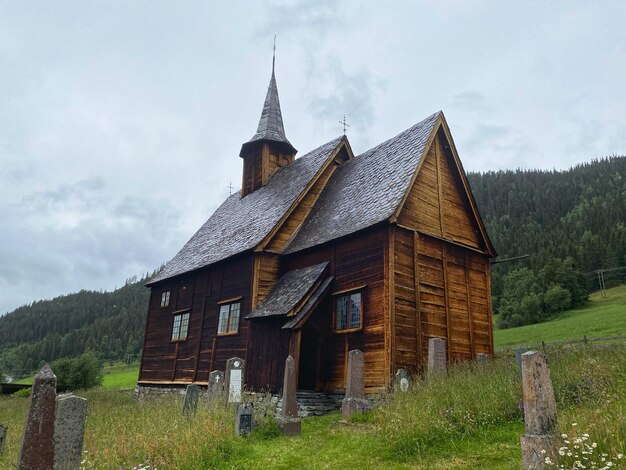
(391, 238)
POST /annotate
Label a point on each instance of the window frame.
(348, 293)
(181, 314)
(166, 296)
(229, 303)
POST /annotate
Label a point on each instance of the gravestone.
(243, 419)
(482, 357)
(354, 401)
(436, 355)
(235, 368)
(190, 403)
(69, 429)
(215, 389)
(540, 439)
(288, 419)
(401, 381)
(37, 450)
(3, 436)
(518, 358)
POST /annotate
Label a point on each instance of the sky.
(121, 122)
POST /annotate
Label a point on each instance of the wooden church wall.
(440, 291)
(440, 273)
(355, 262)
(203, 350)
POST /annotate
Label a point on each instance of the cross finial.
(230, 188)
(274, 54)
(344, 124)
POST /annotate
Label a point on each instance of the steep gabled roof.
(367, 189)
(239, 224)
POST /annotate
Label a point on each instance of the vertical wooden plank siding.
(405, 324)
(392, 294)
(419, 361)
(469, 306)
(447, 299)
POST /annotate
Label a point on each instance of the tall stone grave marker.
(69, 429)
(518, 358)
(3, 436)
(401, 381)
(540, 440)
(436, 355)
(288, 419)
(215, 389)
(243, 419)
(37, 450)
(354, 401)
(235, 368)
(190, 403)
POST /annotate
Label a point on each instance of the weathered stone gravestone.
(243, 419)
(235, 368)
(37, 450)
(540, 439)
(3, 436)
(190, 403)
(482, 358)
(215, 389)
(518, 358)
(354, 401)
(437, 356)
(401, 381)
(69, 429)
(288, 419)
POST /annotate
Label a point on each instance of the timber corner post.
(540, 442)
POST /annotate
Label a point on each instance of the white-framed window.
(180, 326)
(165, 298)
(349, 311)
(228, 322)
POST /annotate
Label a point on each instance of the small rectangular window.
(228, 321)
(165, 299)
(180, 327)
(348, 311)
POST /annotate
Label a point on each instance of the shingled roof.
(239, 224)
(366, 189)
(362, 191)
(271, 125)
(289, 291)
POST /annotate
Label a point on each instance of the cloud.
(80, 235)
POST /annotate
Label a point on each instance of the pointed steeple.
(270, 126)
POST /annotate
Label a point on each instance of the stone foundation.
(267, 404)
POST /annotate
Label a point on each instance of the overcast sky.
(121, 122)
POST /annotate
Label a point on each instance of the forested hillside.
(578, 213)
(109, 323)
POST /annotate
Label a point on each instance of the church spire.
(271, 126)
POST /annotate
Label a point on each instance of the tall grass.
(469, 418)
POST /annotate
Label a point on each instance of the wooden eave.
(441, 124)
(332, 159)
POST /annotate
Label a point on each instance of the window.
(180, 327)
(165, 299)
(228, 322)
(348, 311)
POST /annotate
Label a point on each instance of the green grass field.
(601, 317)
(120, 375)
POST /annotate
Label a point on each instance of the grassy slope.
(600, 318)
(120, 375)
(467, 420)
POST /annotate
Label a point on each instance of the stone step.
(311, 403)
